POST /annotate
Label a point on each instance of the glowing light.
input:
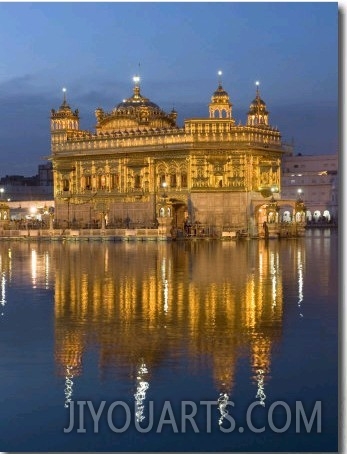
(165, 285)
(46, 270)
(299, 191)
(3, 290)
(68, 385)
(33, 210)
(257, 83)
(260, 393)
(64, 90)
(220, 73)
(136, 79)
(300, 282)
(140, 394)
(273, 279)
(34, 267)
(222, 403)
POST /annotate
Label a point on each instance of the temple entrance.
(180, 213)
(179, 217)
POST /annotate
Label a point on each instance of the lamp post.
(300, 214)
(2, 190)
(164, 189)
(273, 190)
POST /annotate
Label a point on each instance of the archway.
(180, 213)
(316, 215)
(326, 215)
(286, 216)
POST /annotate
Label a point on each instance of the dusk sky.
(94, 50)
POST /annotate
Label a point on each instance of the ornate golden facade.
(211, 171)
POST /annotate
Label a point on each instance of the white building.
(314, 178)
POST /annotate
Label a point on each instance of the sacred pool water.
(172, 346)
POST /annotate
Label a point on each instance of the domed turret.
(136, 100)
(220, 105)
(257, 114)
(136, 112)
(64, 117)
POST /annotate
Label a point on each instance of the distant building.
(28, 196)
(315, 179)
(20, 188)
(45, 174)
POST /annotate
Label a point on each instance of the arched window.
(137, 181)
(114, 181)
(173, 180)
(161, 179)
(184, 180)
(326, 214)
(88, 182)
(102, 182)
(66, 184)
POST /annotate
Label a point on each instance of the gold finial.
(257, 83)
(136, 80)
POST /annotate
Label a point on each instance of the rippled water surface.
(154, 325)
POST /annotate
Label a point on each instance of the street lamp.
(2, 190)
(273, 190)
(164, 188)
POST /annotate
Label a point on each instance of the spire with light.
(257, 83)
(136, 80)
(220, 73)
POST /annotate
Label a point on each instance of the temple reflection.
(143, 304)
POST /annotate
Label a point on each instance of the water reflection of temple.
(142, 304)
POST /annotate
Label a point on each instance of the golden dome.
(136, 101)
(220, 95)
(257, 106)
(135, 113)
(64, 110)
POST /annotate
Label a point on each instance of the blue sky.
(94, 50)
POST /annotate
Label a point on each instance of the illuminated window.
(137, 181)
(66, 185)
(173, 182)
(114, 181)
(88, 182)
(184, 180)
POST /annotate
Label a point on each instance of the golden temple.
(140, 169)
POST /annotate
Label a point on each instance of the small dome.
(257, 102)
(220, 91)
(136, 101)
(134, 114)
(257, 106)
(65, 111)
(220, 95)
(65, 107)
